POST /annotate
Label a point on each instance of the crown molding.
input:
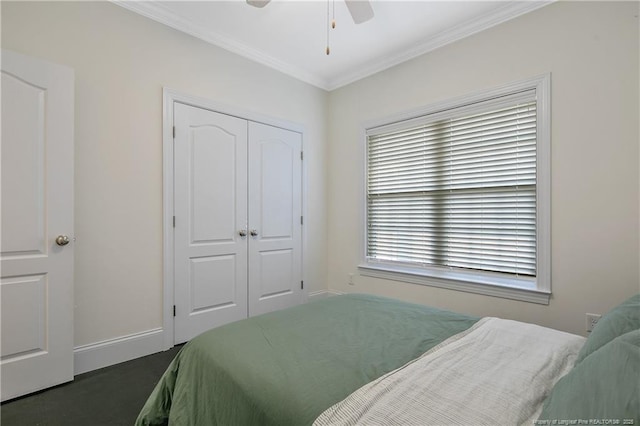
(156, 11)
(511, 10)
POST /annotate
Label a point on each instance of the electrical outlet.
(592, 320)
(351, 280)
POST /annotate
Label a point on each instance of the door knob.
(242, 233)
(254, 233)
(62, 240)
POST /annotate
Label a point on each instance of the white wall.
(591, 49)
(122, 61)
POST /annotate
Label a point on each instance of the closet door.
(210, 202)
(275, 210)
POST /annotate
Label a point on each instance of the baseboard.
(322, 294)
(114, 351)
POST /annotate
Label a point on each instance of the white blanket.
(498, 372)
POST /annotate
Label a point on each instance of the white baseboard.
(322, 294)
(114, 351)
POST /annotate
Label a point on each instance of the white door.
(210, 204)
(36, 286)
(275, 218)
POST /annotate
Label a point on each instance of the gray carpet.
(109, 396)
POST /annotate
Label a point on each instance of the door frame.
(169, 97)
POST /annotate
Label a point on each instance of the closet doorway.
(236, 225)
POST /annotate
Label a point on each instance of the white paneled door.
(210, 204)
(36, 286)
(237, 232)
(275, 211)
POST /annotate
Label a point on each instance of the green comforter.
(287, 367)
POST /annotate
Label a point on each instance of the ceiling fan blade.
(361, 10)
(258, 3)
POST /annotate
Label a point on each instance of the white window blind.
(456, 189)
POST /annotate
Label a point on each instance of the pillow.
(618, 321)
(604, 386)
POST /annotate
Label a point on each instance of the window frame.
(536, 289)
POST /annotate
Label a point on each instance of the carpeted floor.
(109, 396)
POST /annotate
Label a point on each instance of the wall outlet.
(351, 282)
(592, 320)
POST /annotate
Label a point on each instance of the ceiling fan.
(360, 10)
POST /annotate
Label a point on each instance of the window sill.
(516, 289)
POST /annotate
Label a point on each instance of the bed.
(362, 359)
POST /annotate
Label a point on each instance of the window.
(456, 197)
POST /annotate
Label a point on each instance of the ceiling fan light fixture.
(258, 3)
(361, 11)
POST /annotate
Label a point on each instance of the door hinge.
(302, 285)
(174, 221)
(301, 220)
(174, 310)
(174, 132)
(301, 155)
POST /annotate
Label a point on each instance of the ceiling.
(291, 36)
